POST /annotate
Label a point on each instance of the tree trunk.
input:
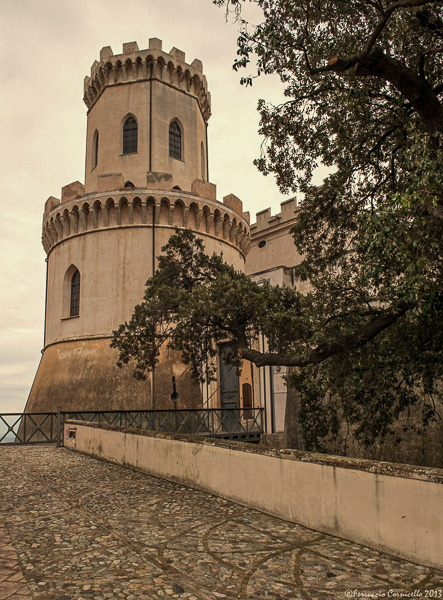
(293, 435)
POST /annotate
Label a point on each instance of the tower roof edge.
(134, 64)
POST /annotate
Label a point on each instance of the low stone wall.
(391, 507)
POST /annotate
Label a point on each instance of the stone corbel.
(144, 203)
(73, 218)
(157, 213)
(118, 214)
(134, 69)
(226, 229)
(245, 244)
(218, 225)
(130, 212)
(53, 232)
(65, 225)
(94, 217)
(105, 215)
(210, 223)
(83, 219)
(185, 216)
(48, 235)
(58, 228)
(233, 234)
(198, 218)
(114, 73)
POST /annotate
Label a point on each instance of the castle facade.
(146, 174)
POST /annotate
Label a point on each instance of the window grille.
(130, 136)
(175, 141)
(75, 295)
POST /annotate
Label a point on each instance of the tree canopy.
(363, 82)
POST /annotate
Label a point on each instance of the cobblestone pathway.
(78, 528)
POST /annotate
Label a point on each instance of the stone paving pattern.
(72, 527)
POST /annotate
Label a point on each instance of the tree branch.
(409, 4)
(413, 87)
(354, 340)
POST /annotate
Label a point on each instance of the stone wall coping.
(405, 471)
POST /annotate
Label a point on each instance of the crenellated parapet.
(265, 220)
(94, 212)
(138, 65)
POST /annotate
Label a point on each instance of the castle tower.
(146, 174)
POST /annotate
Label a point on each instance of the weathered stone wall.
(271, 259)
(393, 508)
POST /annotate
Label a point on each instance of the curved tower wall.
(155, 88)
(111, 233)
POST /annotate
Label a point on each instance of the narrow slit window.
(75, 295)
(130, 136)
(175, 141)
(203, 161)
(95, 150)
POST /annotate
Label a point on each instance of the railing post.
(59, 425)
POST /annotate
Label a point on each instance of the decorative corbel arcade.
(104, 211)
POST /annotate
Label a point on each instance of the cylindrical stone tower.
(146, 174)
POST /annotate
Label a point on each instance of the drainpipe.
(153, 271)
(271, 385)
(207, 155)
(46, 302)
(265, 400)
(153, 213)
(150, 119)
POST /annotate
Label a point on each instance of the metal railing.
(233, 423)
(29, 428)
(44, 428)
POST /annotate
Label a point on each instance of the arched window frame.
(71, 293)
(74, 304)
(95, 142)
(130, 135)
(175, 139)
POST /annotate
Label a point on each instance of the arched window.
(175, 140)
(130, 136)
(74, 310)
(95, 150)
(129, 184)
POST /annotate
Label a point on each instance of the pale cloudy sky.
(48, 46)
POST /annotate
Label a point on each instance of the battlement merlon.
(137, 65)
(265, 218)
